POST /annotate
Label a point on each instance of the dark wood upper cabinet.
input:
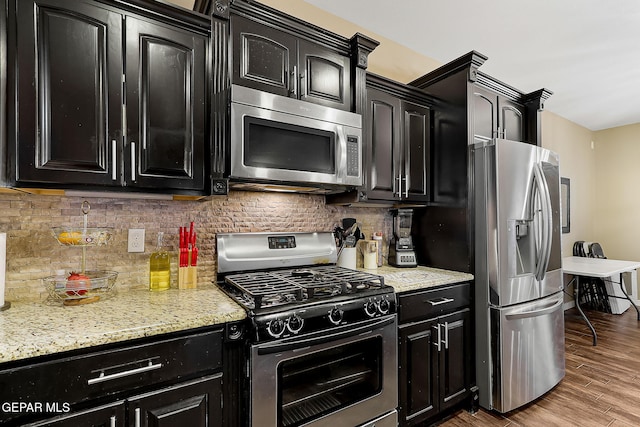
(268, 59)
(417, 137)
(165, 80)
(495, 116)
(69, 92)
(397, 151)
(263, 57)
(471, 108)
(73, 94)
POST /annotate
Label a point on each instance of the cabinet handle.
(446, 335)
(137, 420)
(114, 163)
(303, 84)
(112, 421)
(133, 161)
(294, 76)
(406, 186)
(102, 377)
(440, 301)
(439, 340)
(399, 179)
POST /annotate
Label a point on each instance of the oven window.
(319, 383)
(275, 145)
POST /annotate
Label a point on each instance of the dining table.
(602, 268)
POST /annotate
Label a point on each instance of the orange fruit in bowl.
(69, 237)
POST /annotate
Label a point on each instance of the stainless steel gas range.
(322, 348)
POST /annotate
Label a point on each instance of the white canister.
(347, 258)
(370, 254)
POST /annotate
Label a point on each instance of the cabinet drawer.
(109, 372)
(433, 302)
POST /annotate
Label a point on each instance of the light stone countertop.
(30, 329)
(36, 329)
(411, 279)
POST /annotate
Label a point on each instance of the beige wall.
(577, 162)
(616, 177)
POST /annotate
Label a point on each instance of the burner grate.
(268, 288)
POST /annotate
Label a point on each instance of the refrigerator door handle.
(534, 313)
(547, 227)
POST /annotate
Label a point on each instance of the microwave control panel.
(353, 160)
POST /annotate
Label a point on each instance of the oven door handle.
(295, 343)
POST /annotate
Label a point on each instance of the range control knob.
(370, 308)
(276, 327)
(384, 306)
(295, 324)
(335, 315)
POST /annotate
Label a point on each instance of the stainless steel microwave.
(277, 140)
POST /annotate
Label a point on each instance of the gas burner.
(358, 286)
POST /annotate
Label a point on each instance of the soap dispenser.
(159, 267)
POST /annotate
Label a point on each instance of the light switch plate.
(136, 240)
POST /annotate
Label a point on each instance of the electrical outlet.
(136, 240)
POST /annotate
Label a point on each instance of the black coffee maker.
(401, 253)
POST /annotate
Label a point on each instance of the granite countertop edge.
(31, 329)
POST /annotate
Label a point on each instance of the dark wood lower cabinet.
(112, 415)
(174, 380)
(434, 359)
(194, 404)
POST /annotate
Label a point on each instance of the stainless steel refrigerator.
(518, 273)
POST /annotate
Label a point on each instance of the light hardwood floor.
(601, 386)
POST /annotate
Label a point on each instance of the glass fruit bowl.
(81, 288)
(70, 236)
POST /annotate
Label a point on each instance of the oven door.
(343, 377)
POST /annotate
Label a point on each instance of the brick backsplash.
(33, 253)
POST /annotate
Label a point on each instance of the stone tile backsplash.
(33, 253)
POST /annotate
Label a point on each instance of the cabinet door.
(324, 76)
(511, 118)
(111, 415)
(194, 404)
(418, 372)
(166, 105)
(263, 57)
(455, 358)
(495, 116)
(416, 138)
(69, 96)
(382, 155)
(485, 120)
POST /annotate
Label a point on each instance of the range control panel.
(282, 242)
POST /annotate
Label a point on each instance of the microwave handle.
(341, 154)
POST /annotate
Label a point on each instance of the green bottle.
(159, 267)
